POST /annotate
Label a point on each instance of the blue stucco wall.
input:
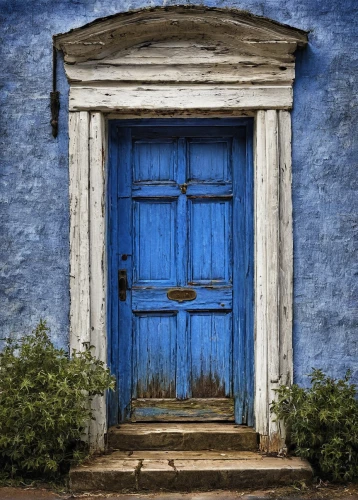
(34, 212)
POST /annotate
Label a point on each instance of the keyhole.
(183, 188)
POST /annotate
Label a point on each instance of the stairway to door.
(185, 457)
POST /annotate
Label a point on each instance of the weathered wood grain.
(273, 280)
(79, 231)
(182, 113)
(286, 249)
(198, 409)
(158, 97)
(285, 261)
(207, 298)
(187, 52)
(250, 70)
(272, 261)
(74, 146)
(211, 48)
(80, 335)
(97, 39)
(97, 265)
(261, 361)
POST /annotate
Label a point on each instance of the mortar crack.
(136, 474)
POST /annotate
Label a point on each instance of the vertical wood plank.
(79, 234)
(261, 362)
(121, 244)
(286, 248)
(242, 232)
(183, 385)
(97, 265)
(273, 278)
(249, 274)
(112, 203)
(272, 265)
(74, 228)
(79, 230)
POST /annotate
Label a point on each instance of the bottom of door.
(171, 410)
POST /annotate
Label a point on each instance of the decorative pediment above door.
(182, 46)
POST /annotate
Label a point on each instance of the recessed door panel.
(154, 161)
(209, 160)
(154, 350)
(211, 354)
(154, 241)
(210, 223)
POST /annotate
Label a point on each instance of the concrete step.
(186, 471)
(185, 437)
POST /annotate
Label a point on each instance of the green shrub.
(44, 405)
(322, 423)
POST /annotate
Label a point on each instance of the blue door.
(180, 270)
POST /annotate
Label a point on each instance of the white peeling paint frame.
(88, 270)
(273, 257)
(273, 269)
(105, 84)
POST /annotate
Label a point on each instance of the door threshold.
(188, 410)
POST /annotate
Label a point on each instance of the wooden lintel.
(125, 98)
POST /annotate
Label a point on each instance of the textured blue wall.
(34, 212)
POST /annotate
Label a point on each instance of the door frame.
(264, 91)
(243, 327)
(273, 259)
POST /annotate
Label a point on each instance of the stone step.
(182, 455)
(185, 437)
(186, 471)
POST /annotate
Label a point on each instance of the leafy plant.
(322, 423)
(44, 405)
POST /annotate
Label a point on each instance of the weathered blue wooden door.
(180, 274)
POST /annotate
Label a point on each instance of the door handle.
(122, 284)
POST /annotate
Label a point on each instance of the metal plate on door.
(181, 294)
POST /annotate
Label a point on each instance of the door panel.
(180, 215)
(210, 241)
(154, 161)
(209, 160)
(154, 352)
(211, 354)
(154, 242)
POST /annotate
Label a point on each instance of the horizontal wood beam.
(271, 74)
(198, 409)
(125, 98)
